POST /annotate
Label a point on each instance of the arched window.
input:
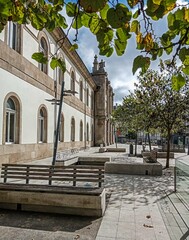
(87, 132)
(14, 36)
(72, 129)
(60, 76)
(92, 100)
(42, 125)
(81, 131)
(81, 90)
(12, 121)
(72, 86)
(44, 50)
(87, 97)
(92, 132)
(61, 130)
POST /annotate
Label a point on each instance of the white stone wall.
(2, 35)
(31, 98)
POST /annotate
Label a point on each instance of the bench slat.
(74, 173)
(52, 167)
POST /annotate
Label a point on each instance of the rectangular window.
(12, 36)
(7, 127)
(10, 127)
(41, 130)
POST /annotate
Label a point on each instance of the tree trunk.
(136, 145)
(149, 142)
(168, 148)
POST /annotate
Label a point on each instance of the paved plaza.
(139, 208)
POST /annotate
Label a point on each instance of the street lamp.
(59, 102)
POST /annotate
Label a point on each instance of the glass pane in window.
(12, 127)
(7, 128)
(10, 104)
(41, 130)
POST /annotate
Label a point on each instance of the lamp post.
(59, 102)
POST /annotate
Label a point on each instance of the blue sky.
(119, 69)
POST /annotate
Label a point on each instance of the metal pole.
(58, 125)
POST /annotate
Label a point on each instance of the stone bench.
(93, 160)
(45, 188)
(159, 154)
(153, 169)
(104, 149)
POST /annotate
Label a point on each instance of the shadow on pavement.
(50, 222)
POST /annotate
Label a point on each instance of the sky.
(119, 68)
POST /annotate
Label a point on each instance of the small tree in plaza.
(165, 107)
(129, 116)
(155, 105)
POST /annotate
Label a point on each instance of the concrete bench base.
(84, 202)
(101, 150)
(159, 154)
(153, 169)
(93, 160)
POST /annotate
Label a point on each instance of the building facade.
(28, 119)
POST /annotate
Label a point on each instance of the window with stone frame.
(81, 90)
(72, 82)
(60, 76)
(92, 100)
(61, 129)
(12, 121)
(44, 49)
(81, 131)
(72, 129)
(14, 36)
(42, 125)
(87, 132)
(87, 97)
(92, 132)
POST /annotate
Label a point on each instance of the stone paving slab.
(8, 233)
(142, 208)
(139, 208)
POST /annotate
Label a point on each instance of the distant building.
(27, 119)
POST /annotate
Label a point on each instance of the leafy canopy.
(155, 105)
(113, 23)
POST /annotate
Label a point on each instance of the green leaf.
(94, 24)
(132, 3)
(120, 47)
(141, 62)
(135, 27)
(178, 81)
(71, 9)
(39, 57)
(184, 54)
(169, 50)
(85, 18)
(74, 47)
(103, 12)
(110, 51)
(61, 21)
(77, 22)
(136, 14)
(55, 62)
(119, 16)
(186, 70)
(93, 6)
(5, 7)
(122, 34)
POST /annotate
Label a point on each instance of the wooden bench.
(75, 189)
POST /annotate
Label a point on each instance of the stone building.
(28, 119)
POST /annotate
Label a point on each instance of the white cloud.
(119, 69)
